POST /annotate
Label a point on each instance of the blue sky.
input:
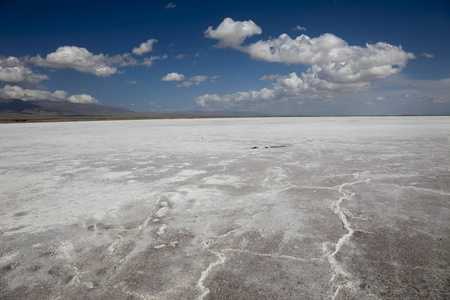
(279, 57)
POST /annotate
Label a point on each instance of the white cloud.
(79, 59)
(270, 77)
(83, 99)
(327, 48)
(196, 80)
(13, 70)
(170, 5)
(102, 65)
(231, 99)
(398, 94)
(427, 55)
(173, 77)
(290, 87)
(201, 100)
(123, 60)
(180, 56)
(232, 34)
(441, 100)
(185, 84)
(324, 49)
(334, 66)
(16, 92)
(284, 86)
(131, 81)
(145, 47)
(298, 27)
(303, 49)
(149, 61)
(213, 78)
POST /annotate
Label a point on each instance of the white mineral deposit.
(239, 208)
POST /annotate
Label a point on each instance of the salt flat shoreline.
(36, 119)
(234, 208)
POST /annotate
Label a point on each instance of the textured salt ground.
(272, 208)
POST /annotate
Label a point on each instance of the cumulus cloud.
(77, 58)
(230, 99)
(83, 99)
(333, 59)
(427, 55)
(102, 65)
(16, 92)
(173, 77)
(145, 47)
(415, 96)
(327, 48)
(232, 34)
(284, 86)
(14, 71)
(334, 66)
(290, 87)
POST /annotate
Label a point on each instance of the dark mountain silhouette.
(15, 110)
(47, 108)
(15, 105)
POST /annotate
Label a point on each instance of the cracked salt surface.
(338, 270)
(204, 290)
(272, 208)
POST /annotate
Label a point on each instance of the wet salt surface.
(270, 208)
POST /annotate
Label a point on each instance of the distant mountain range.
(15, 108)
(18, 110)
